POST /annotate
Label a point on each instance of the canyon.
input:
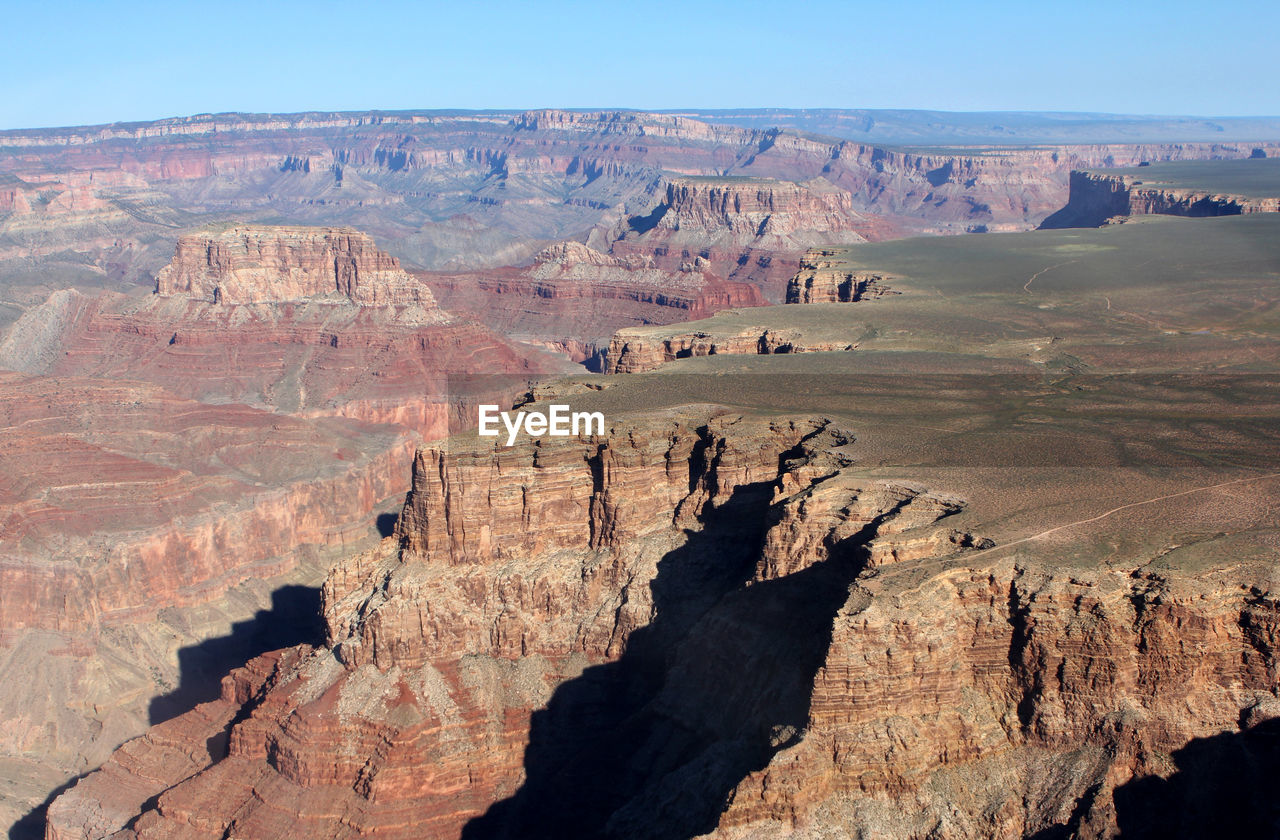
(176, 459)
(98, 207)
(888, 558)
(608, 523)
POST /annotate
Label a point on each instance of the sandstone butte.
(277, 264)
(305, 320)
(704, 623)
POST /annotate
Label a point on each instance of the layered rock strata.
(172, 459)
(115, 498)
(1097, 197)
(146, 540)
(520, 575)
(574, 293)
(295, 319)
(638, 351)
(703, 627)
(824, 277)
(750, 229)
(277, 264)
(96, 207)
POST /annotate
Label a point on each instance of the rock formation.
(754, 212)
(750, 229)
(1099, 196)
(702, 624)
(574, 297)
(640, 350)
(138, 530)
(440, 647)
(296, 319)
(278, 264)
(823, 276)
(97, 207)
(148, 510)
(822, 279)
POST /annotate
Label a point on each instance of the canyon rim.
(561, 472)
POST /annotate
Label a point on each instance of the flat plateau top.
(1253, 178)
(1099, 396)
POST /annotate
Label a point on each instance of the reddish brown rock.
(641, 350)
(302, 320)
(417, 720)
(278, 264)
(147, 506)
(121, 499)
(747, 229)
(572, 294)
(480, 190)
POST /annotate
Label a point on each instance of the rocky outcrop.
(749, 210)
(516, 570)
(694, 628)
(166, 453)
(303, 320)
(574, 293)
(142, 536)
(122, 499)
(751, 229)
(1097, 197)
(459, 192)
(277, 264)
(1081, 682)
(824, 277)
(640, 350)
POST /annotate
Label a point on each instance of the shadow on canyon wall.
(386, 524)
(31, 825)
(294, 618)
(651, 745)
(1223, 786)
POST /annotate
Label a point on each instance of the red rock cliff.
(516, 570)
(724, 629)
(276, 264)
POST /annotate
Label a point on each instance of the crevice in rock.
(652, 745)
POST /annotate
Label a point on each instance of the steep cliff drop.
(178, 464)
(746, 229)
(1175, 189)
(671, 605)
(841, 656)
(710, 623)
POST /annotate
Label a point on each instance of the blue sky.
(70, 63)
